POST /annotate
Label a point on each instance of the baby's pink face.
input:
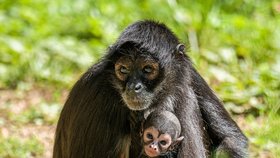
(155, 143)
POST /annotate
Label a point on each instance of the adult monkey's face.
(137, 75)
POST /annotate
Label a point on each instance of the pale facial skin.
(155, 143)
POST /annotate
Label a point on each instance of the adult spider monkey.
(145, 69)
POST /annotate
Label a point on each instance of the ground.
(28, 120)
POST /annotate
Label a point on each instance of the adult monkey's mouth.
(135, 102)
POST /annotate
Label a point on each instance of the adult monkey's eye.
(147, 69)
(124, 70)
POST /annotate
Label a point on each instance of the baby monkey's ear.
(176, 143)
(179, 139)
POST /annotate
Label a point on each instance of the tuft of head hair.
(165, 122)
(151, 36)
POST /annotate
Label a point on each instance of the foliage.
(234, 44)
(16, 147)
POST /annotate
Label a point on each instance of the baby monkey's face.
(161, 133)
(156, 143)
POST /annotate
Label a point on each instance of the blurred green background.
(45, 45)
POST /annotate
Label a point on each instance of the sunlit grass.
(17, 147)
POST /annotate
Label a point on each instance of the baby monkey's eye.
(124, 70)
(149, 136)
(163, 142)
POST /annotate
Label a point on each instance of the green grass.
(15, 147)
(264, 135)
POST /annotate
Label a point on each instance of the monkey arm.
(191, 124)
(223, 131)
(188, 112)
(92, 111)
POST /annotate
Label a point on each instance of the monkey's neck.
(166, 104)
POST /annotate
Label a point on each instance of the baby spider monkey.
(161, 134)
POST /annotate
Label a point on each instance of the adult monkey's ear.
(180, 48)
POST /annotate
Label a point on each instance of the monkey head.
(143, 63)
(161, 133)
